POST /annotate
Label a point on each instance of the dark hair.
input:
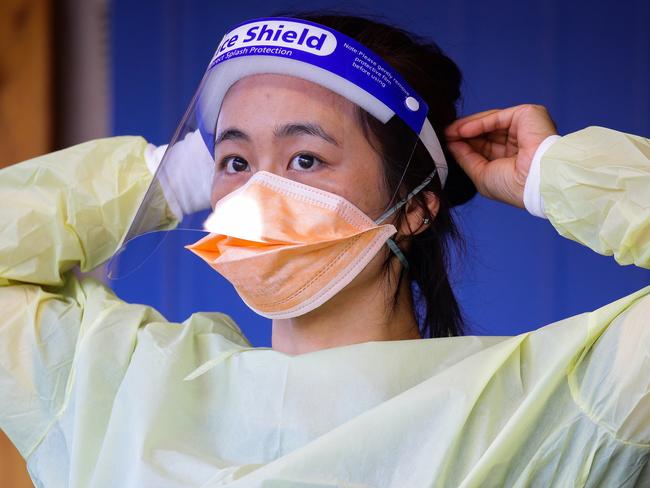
(437, 79)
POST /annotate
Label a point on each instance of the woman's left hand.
(495, 148)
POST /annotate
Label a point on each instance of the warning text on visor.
(287, 34)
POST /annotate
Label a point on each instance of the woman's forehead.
(276, 82)
(282, 96)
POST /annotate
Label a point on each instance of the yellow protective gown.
(96, 392)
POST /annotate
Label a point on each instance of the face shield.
(289, 103)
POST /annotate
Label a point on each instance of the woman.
(97, 392)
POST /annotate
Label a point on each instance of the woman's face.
(298, 130)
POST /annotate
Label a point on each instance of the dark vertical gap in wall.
(81, 47)
(60, 44)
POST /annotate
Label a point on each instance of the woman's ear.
(417, 220)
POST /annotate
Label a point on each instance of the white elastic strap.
(532, 189)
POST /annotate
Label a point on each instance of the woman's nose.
(220, 189)
(271, 165)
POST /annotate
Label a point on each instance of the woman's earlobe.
(433, 203)
(417, 219)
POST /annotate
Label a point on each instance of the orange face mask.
(286, 247)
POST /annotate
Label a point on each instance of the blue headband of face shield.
(321, 55)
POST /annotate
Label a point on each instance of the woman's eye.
(235, 164)
(305, 162)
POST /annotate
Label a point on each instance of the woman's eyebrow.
(304, 128)
(231, 134)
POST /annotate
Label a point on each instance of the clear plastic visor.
(243, 121)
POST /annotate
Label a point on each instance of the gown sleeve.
(596, 191)
(68, 208)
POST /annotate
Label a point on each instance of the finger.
(477, 115)
(471, 160)
(497, 144)
(499, 120)
(488, 148)
(489, 120)
(499, 136)
(452, 130)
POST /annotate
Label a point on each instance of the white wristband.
(532, 189)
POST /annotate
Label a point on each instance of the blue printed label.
(282, 34)
(317, 45)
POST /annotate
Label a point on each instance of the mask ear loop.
(392, 245)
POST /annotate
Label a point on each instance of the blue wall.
(588, 62)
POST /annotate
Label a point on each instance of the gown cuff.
(532, 189)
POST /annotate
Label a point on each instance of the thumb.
(472, 162)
